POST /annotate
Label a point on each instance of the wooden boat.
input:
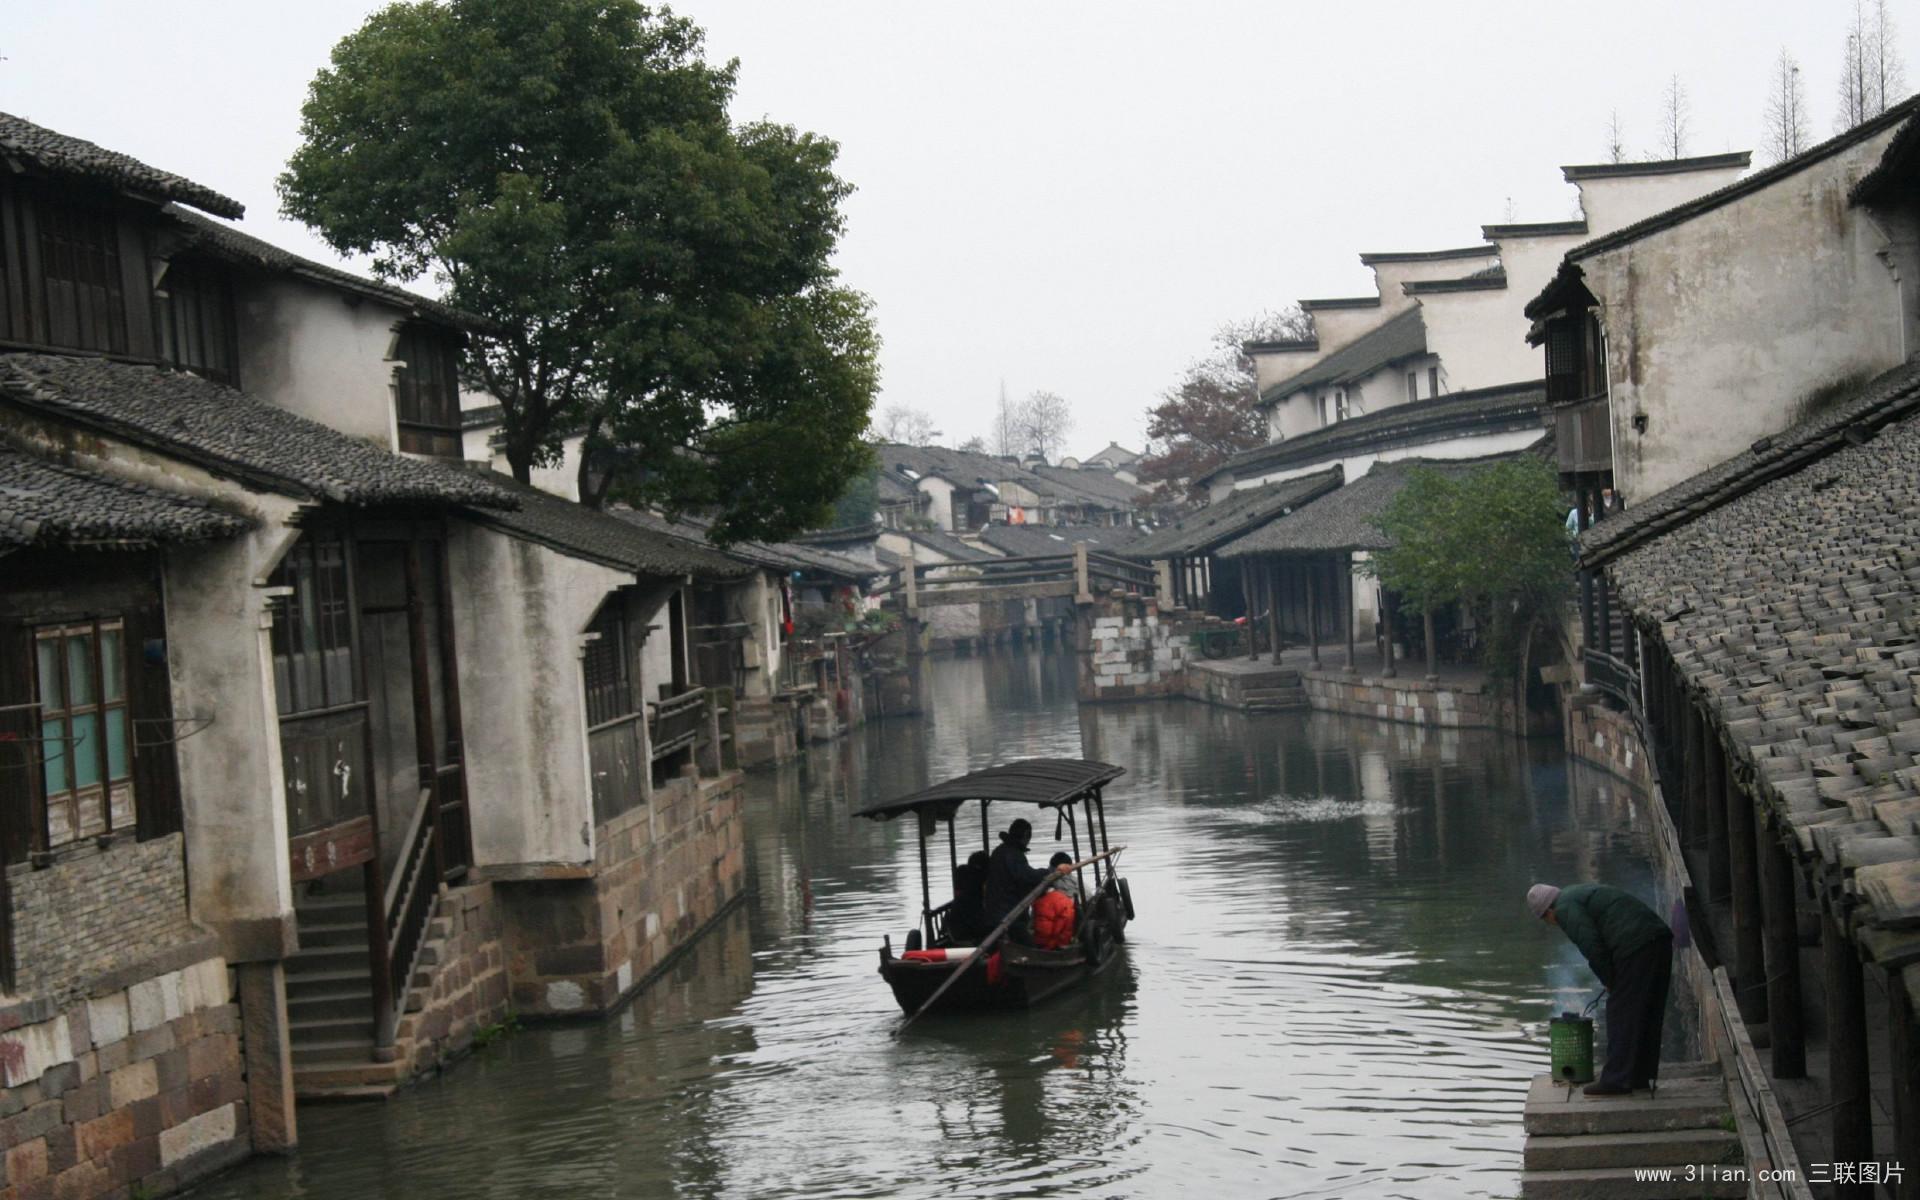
(1012, 974)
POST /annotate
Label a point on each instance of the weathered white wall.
(1353, 466)
(1719, 328)
(1337, 327)
(219, 661)
(1616, 202)
(1390, 279)
(1272, 366)
(1480, 337)
(519, 613)
(304, 348)
(940, 507)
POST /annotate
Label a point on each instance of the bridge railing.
(1078, 572)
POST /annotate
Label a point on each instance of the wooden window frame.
(71, 750)
(199, 330)
(426, 390)
(616, 717)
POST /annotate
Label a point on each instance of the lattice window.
(86, 734)
(427, 392)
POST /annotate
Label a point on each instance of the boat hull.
(1024, 976)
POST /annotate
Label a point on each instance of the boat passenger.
(1009, 878)
(1066, 883)
(967, 918)
(1054, 913)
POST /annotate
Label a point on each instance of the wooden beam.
(1749, 968)
(1271, 568)
(1718, 795)
(1313, 616)
(1849, 1085)
(1784, 1006)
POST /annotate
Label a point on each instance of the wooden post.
(1313, 617)
(1247, 591)
(1271, 566)
(1586, 607)
(1693, 765)
(1603, 617)
(1433, 650)
(1848, 1081)
(1346, 610)
(1082, 583)
(1718, 796)
(1749, 969)
(1784, 1007)
(1387, 607)
(1905, 1066)
(907, 580)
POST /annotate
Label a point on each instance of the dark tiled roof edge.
(1370, 258)
(1502, 402)
(1281, 344)
(1469, 283)
(60, 154)
(1529, 229)
(1202, 529)
(1657, 166)
(1882, 400)
(44, 503)
(1682, 213)
(1341, 302)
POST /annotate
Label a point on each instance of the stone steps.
(1583, 1147)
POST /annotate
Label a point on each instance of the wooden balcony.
(1583, 436)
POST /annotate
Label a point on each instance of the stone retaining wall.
(661, 874)
(1604, 738)
(135, 1090)
(1413, 700)
(464, 989)
(1132, 650)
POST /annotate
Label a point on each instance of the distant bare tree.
(1045, 420)
(906, 425)
(1873, 75)
(1786, 110)
(1004, 435)
(973, 445)
(1616, 139)
(1674, 111)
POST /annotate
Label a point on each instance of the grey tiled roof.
(44, 503)
(1888, 397)
(574, 529)
(1401, 336)
(1790, 609)
(36, 146)
(1493, 409)
(778, 556)
(946, 545)
(1344, 519)
(1032, 541)
(224, 241)
(1097, 482)
(230, 433)
(1199, 532)
(970, 470)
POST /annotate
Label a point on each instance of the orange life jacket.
(1053, 920)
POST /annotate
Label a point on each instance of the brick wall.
(136, 1090)
(1134, 650)
(661, 874)
(95, 912)
(461, 987)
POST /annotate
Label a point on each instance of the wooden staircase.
(1590, 1148)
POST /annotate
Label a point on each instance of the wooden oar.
(980, 952)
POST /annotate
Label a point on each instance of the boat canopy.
(1047, 782)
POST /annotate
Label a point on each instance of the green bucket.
(1570, 1037)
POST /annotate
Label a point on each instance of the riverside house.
(319, 748)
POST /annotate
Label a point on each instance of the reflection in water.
(1333, 988)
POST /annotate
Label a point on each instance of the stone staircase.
(1273, 699)
(1588, 1148)
(330, 1004)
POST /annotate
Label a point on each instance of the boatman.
(1631, 949)
(1009, 878)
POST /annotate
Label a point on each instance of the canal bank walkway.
(1676, 1142)
(1456, 697)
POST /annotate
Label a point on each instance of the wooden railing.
(411, 893)
(676, 723)
(1069, 572)
(1767, 1144)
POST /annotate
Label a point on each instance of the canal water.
(1332, 990)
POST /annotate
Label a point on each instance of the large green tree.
(660, 277)
(1492, 539)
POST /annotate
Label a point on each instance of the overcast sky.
(1062, 196)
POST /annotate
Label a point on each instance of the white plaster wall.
(561, 479)
(1272, 366)
(1719, 328)
(940, 508)
(1617, 202)
(656, 653)
(304, 348)
(219, 662)
(519, 613)
(1480, 337)
(1337, 327)
(1390, 279)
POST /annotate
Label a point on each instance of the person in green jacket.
(1631, 949)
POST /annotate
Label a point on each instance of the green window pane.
(117, 743)
(86, 750)
(113, 666)
(51, 694)
(54, 749)
(80, 669)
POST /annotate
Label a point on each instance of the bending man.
(1631, 949)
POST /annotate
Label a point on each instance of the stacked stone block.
(461, 985)
(133, 1090)
(97, 912)
(1604, 738)
(1414, 701)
